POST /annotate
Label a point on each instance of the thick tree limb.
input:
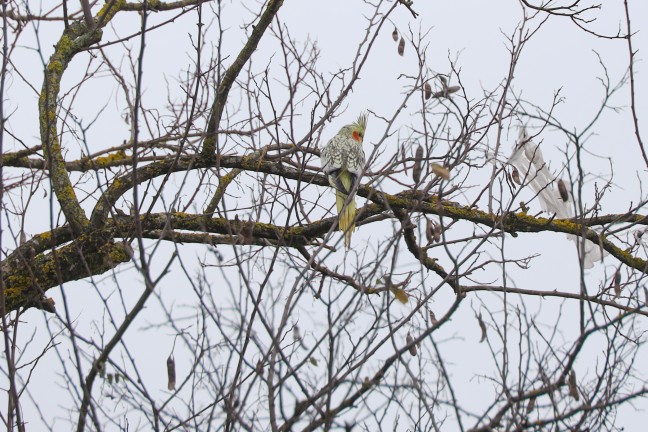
(92, 254)
(216, 112)
(75, 38)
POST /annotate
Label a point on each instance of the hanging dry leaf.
(429, 231)
(515, 175)
(436, 231)
(418, 161)
(427, 89)
(617, 284)
(400, 294)
(128, 249)
(401, 47)
(571, 384)
(259, 367)
(171, 372)
(441, 171)
(297, 336)
(564, 195)
(395, 35)
(313, 361)
(412, 346)
(645, 296)
(433, 318)
(530, 405)
(482, 326)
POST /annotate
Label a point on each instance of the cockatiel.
(343, 161)
(528, 160)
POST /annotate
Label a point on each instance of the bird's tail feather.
(346, 212)
(346, 216)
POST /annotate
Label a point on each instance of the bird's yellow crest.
(361, 124)
(358, 128)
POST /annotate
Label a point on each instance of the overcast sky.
(473, 34)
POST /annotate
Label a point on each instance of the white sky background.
(474, 34)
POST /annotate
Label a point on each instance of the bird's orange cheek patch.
(356, 136)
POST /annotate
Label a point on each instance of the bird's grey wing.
(356, 163)
(336, 182)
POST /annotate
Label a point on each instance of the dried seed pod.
(128, 249)
(515, 175)
(366, 382)
(617, 284)
(395, 35)
(403, 157)
(571, 384)
(441, 171)
(429, 231)
(433, 318)
(427, 90)
(401, 47)
(297, 336)
(530, 405)
(418, 161)
(412, 346)
(564, 195)
(482, 327)
(259, 367)
(437, 231)
(171, 372)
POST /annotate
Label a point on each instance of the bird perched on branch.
(343, 161)
(528, 160)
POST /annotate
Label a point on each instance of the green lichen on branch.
(108, 11)
(92, 254)
(118, 158)
(223, 183)
(75, 38)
